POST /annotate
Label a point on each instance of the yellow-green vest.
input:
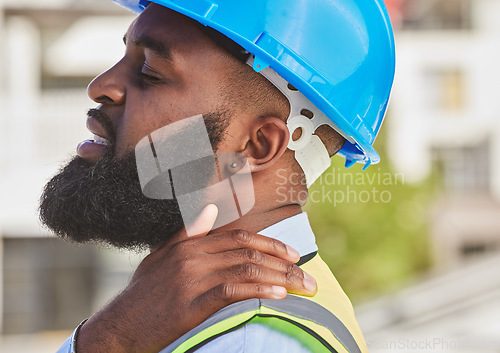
(323, 323)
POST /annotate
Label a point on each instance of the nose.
(107, 88)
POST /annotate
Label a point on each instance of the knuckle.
(278, 246)
(250, 272)
(182, 250)
(187, 264)
(290, 278)
(254, 256)
(241, 236)
(260, 290)
(226, 291)
(292, 268)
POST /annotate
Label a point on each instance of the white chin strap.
(310, 152)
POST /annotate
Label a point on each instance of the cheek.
(149, 113)
(140, 119)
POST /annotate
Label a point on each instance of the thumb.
(204, 223)
(200, 227)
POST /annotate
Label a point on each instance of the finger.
(204, 223)
(242, 256)
(228, 293)
(198, 228)
(252, 273)
(241, 239)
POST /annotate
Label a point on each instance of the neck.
(256, 220)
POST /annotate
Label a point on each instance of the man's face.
(170, 72)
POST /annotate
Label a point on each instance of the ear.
(267, 142)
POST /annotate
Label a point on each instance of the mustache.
(105, 121)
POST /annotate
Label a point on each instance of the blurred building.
(453, 311)
(445, 117)
(445, 120)
(49, 52)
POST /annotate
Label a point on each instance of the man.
(198, 63)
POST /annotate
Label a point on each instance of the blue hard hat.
(338, 53)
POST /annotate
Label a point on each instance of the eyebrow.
(146, 41)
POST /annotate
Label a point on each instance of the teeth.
(100, 140)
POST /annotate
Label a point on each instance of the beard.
(104, 202)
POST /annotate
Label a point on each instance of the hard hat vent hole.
(291, 88)
(307, 113)
(297, 134)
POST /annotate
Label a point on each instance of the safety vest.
(323, 323)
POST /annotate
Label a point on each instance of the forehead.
(175, 31)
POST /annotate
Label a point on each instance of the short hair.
(249, 91)
(245, 90)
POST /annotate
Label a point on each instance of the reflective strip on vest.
(303, 313)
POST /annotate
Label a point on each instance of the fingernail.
(279, 292)
(293, 253)
(309, 282)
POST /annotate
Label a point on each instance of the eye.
(149, 74)
(147, 77)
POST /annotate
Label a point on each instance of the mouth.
(93, 149)
(100, 140)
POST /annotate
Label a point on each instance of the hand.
(182, 283)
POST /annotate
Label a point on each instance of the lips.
(95, 126)
(93, 149)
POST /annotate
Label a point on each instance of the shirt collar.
(294, 231)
